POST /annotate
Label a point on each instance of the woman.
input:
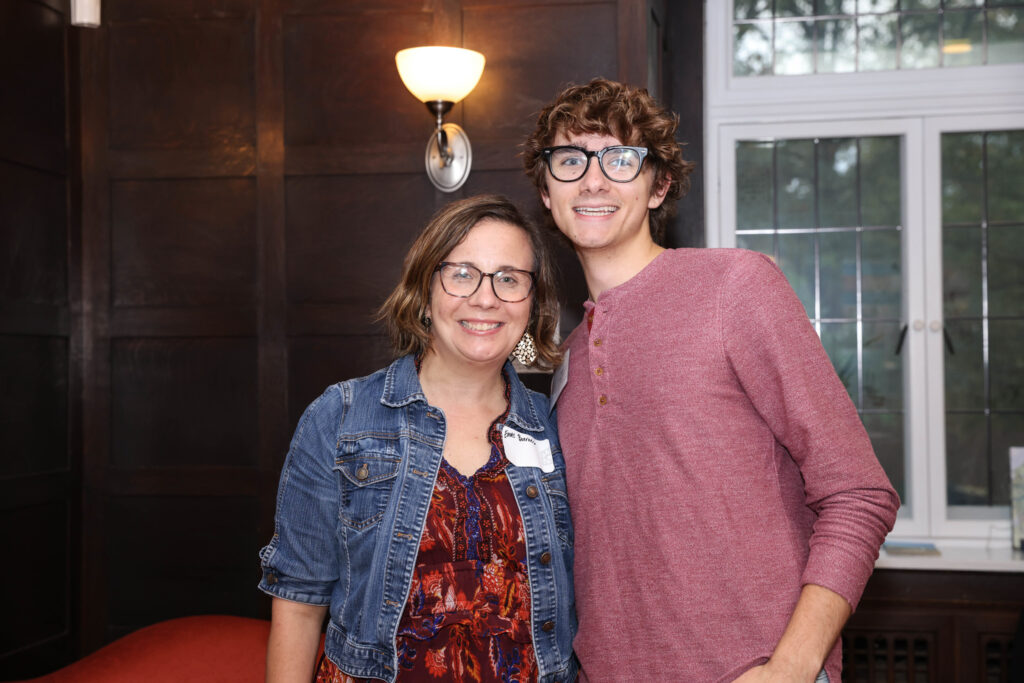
(424, 506)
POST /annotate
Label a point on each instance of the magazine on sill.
(1017, 496)
(894, 548)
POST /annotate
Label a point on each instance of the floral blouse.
(468, 614)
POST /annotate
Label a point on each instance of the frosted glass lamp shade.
(439, 73)
(85, 13)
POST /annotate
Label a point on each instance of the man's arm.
(812, 630)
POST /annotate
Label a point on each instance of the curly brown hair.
(404, 310)
(606, 107)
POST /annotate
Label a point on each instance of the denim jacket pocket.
(554, 486)
(367, 479)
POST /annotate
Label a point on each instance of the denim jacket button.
(363, 472)
(545, 558)
(271, 579)
(531, 491)
(547, 626)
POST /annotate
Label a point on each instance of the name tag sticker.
(522, 450)
(558, 380)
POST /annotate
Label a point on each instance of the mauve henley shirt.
(715, 465)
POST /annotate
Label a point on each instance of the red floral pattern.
(468, 613)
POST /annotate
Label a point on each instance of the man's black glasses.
(619, 163)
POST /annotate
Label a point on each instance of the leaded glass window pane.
(961, 272)
(754, 185)
(964, 41)
(1006, 272)
(879, 161)
(836, 45)
(794, 47)
(795, 256)
(1006, 36)
(1005, 157)
(878, 42)
(962, 180)
(921, 48)
(752, 44)
(881, 274)
(837, 274)
(837, 182)
(794, 183)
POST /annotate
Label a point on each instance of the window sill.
(956, 558)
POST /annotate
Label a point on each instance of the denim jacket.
(352, 503)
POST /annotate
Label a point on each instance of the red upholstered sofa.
(204, 649)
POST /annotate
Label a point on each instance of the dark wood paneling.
(184, 242)
(146, 10)
(184, 402)
(553, 45)
(183, 480)
(35, 616)
(217, 321)
(354, 6)
(684, 83)
(273, 428)
(346, 235)
(92, 76)
(39, 482)
(364, 157)
(33, 405)
(182, 163)
(341, 84)
(512, 183)
(32, 97)
(180, 556)
(182, 84)
(314, 363)
(33, 235)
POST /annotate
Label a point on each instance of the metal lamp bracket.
(449, 156)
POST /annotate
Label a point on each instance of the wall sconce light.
(440, 77)
(85, 13)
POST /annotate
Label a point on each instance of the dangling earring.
(426, 321)
(525, 352)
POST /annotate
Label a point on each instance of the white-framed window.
(891, 202)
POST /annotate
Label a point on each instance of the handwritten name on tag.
(522, 450)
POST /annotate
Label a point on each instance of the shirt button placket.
(597, 356)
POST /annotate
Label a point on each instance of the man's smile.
(595, 210)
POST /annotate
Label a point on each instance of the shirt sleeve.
(300, 562)
(784, 370)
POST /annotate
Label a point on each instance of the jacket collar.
(402, 387)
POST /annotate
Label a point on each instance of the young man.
(727, 504)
